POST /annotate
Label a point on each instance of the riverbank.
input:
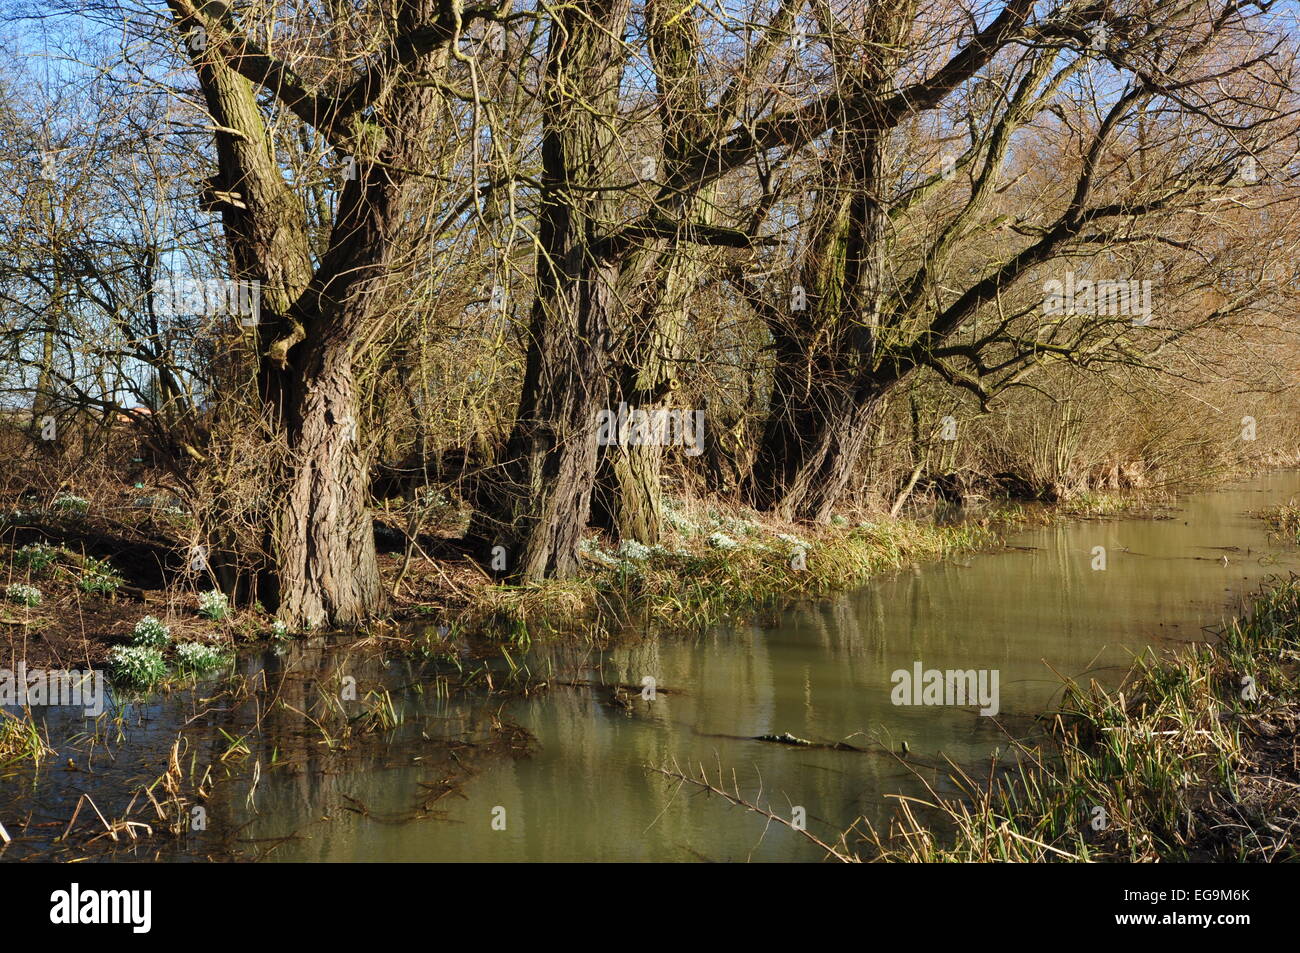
(1194, 757)
(78, 574)
(723, 563)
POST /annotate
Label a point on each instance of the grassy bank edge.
(736, 566)
(1192, 758)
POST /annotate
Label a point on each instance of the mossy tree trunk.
(629, 497)
(319, 557)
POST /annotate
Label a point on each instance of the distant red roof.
(133, 414)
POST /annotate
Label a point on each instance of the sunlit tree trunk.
(533, 507)
(321, 567)
(629, 497)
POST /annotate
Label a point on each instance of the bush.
(99, 577)
(151, 633)
(198, 658)
(137, 666)
(721, 541)
(634, 550)
(99, 585)
(24, 595)
(212, 605)
(67, 503)
(36, 557)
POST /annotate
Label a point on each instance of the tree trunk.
(824, 384)
(629, 494)
(821, 462)
(629, 497)
(319, 557)
(827, 377)
(532, 509)
(324, 543)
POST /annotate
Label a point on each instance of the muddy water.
(822, 673)
(587, 789)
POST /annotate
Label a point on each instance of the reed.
(1284, 520)
(21, 742)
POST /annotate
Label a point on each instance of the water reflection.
(580, 788)
(823, 673)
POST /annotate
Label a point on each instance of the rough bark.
(828, 373)
(326, 570)
(629, 494)
(535, 504)
(825, 377)
(319, 547)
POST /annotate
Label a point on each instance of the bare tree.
(890, 288)
(319, 311)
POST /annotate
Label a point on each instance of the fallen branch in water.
(733, 796)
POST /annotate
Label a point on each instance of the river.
(821, 671)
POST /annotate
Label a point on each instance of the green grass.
(726, 567)
(1102, 503)
(20, 741)
(701, 585)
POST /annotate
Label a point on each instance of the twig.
(734, 797)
